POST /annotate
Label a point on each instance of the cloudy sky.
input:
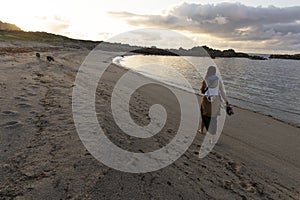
(269, 26)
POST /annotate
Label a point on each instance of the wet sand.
(42, 156)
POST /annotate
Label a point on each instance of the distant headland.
(285, 56)
(201, 51)
(8, 26)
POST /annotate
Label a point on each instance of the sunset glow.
(101, 20)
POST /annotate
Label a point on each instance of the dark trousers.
(210, 123)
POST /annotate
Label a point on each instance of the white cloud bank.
(270, 28)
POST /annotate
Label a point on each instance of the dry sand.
(42, 157)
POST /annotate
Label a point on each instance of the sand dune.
(42, 155)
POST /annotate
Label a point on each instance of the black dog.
(50, 58)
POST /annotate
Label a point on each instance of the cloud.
(41, 17)
(54, 24)
(230, 21)
(57, 28)
(58, 24)
(154, 37)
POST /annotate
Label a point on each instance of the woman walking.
(213, 95)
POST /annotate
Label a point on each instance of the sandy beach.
(42, 156)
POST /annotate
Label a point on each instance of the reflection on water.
(271, 87)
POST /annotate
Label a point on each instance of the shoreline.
(174, 86)
(270, 116)
(255, 158)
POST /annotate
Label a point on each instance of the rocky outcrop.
(154, 51)
(285, 56)
(203, 51)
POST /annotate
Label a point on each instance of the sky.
(269, 26)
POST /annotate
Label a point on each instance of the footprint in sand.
(24, 105)
(39, 74)
(10, 113)
(235, 167)
(33, 112)
(20, 99)
(33, 86)
(12, 124)
(245, 184)
(31, 94)
(228, 185)
(3, 85)
(29, 120)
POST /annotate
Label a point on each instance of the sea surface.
(270, 87)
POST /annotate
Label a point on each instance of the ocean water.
(271, 87)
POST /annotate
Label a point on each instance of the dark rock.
(285, 56)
